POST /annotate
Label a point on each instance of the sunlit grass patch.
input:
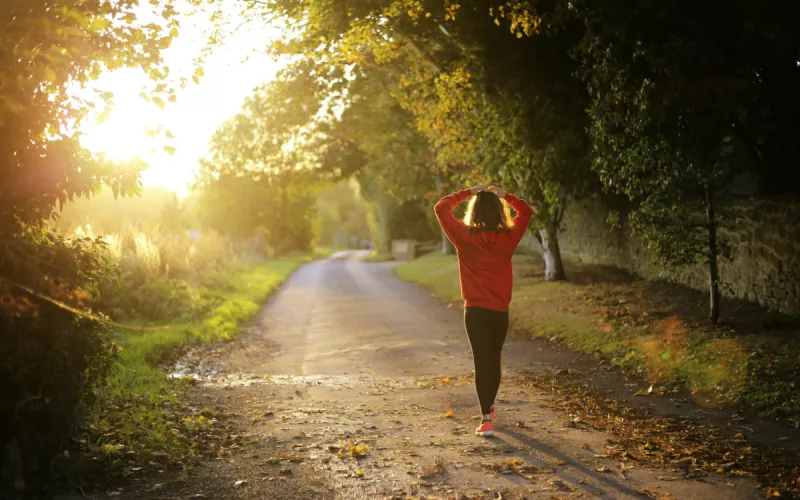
(435, 271)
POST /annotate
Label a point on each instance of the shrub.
(155, 274)
(51, 358)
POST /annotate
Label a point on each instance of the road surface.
(346, 351)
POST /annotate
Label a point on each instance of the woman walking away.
(485, 242)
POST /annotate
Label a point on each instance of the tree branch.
(414, 46)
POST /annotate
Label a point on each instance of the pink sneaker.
(486, 429)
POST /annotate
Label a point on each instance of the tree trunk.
(382, 213)
(713, 263)
(553, 265)
(447, 247)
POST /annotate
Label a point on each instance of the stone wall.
(763, 235)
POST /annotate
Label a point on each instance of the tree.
(50, 357)
(47, 48)
(258, 180)
(502, 104)
(375, 142)
(465, 81)
(684, 98)
(341, 215)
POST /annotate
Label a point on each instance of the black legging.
(487, 331)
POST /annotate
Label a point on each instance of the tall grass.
(160, 275)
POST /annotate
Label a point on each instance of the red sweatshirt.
(484, 257)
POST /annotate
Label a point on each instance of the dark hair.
(487, 212)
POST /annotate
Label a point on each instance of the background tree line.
(666, 105)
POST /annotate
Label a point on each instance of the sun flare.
(172, 139)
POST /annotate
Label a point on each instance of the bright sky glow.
(231, 73)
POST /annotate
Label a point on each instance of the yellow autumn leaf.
(357, 450)
(449, 414)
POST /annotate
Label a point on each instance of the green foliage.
(143, 295)
(663, 146)
(49, 50)
(155, 274)
(484, 102)
(411, 220)
(680, 108)
(50, 359)
(393, 158)
(259, 179)
(107, 214)
(341, 215)
(276, 207)
(375, 142)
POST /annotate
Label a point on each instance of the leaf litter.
(682, 444)
(515, 465)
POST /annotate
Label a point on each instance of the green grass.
(615, 322)
(322, 252)
(376, 256)
(136, 408)
(434, 271)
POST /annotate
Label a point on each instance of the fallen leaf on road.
(430, 470)
(240, 482)
(512, 466)
(357, 450)
(449, 414)
(559, 485)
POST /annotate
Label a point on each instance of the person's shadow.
(571, 472)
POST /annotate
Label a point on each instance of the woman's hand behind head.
(498, 191)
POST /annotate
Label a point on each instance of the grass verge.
(655, 329)
(138, 413)
(376, 256)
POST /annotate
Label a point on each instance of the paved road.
(347, 351)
